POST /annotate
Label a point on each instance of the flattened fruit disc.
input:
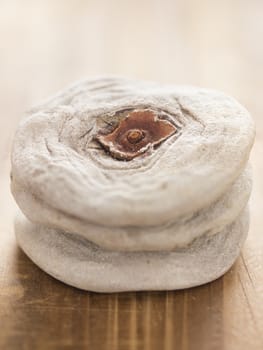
(133, 185)
(82, 264)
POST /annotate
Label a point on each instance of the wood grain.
(46, 45)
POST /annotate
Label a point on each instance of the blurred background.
(47, 44)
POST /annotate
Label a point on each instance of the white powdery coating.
(84, 265)
(52, 158)
(171, 218)
(181, 233)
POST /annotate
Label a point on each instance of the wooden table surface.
(47, 44)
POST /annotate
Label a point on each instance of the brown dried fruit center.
(135, 135)
(139, 131)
